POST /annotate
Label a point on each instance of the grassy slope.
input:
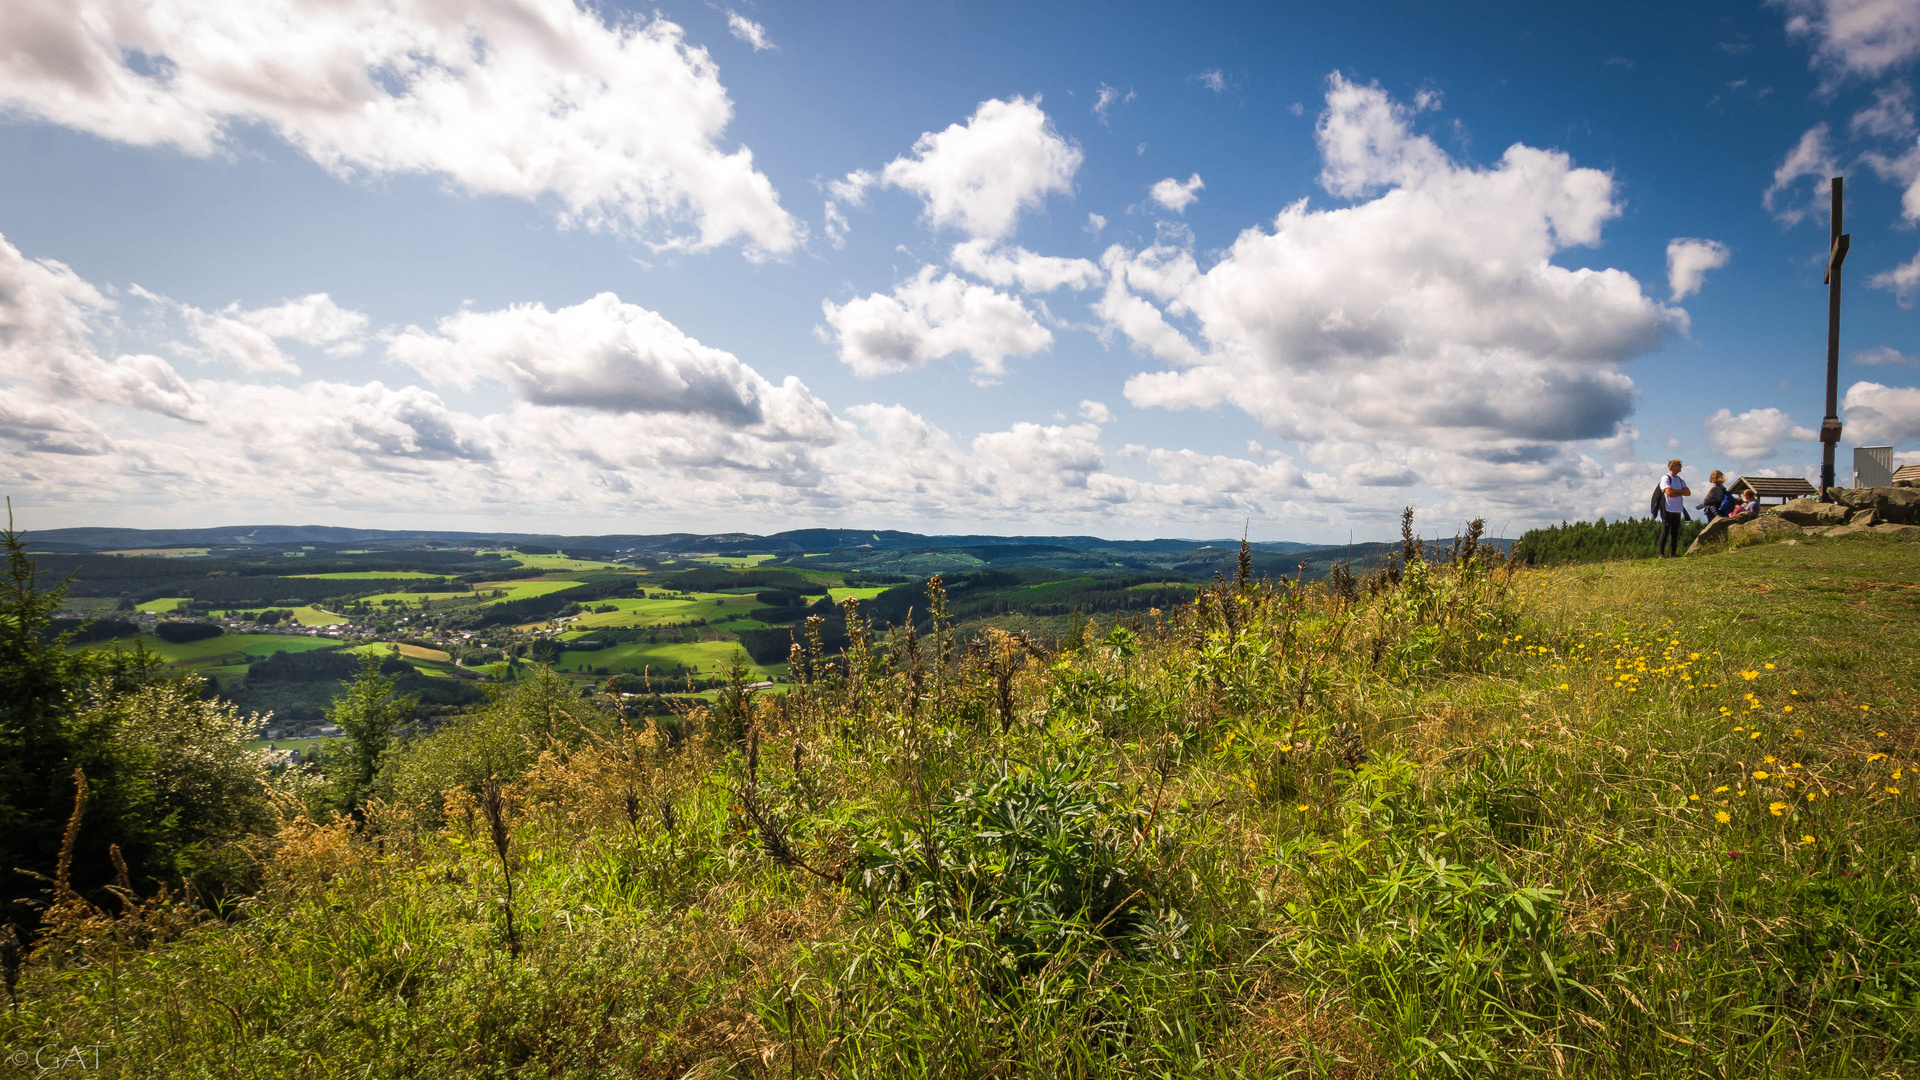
(658, 611)
(306, 615)
(225, 647)
(370, 575)
(1522, 881)
(708, 657)
(560, 562)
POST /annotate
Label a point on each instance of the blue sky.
(763, 266)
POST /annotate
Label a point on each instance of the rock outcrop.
(1882, 511)
(1890, 505)
(1714, 532)
(1813, 512)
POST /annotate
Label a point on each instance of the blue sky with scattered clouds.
(959, 267)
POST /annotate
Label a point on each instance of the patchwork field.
(736, 562)
(523, 589)
(412, 599)
(370, 575)
(661, 610)
(226, 655)
(866, 593)
(163, 605)
(557, 562)
(306, 615)
(707, 658)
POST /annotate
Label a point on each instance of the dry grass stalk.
(493, 804)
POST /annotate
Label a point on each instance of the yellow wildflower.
(1722, 816)
(1768, 759)
(1778, 808)
(1720, 789)
(1749, 675)
(1693, 798)
(1769, 667)
(1806, 838)
(1760, 774)
(1302, 808)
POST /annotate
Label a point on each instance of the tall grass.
(1455, 819)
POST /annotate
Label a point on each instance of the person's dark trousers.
(1669, 533)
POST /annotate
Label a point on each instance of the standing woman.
(1717, 494)
(1674, 487)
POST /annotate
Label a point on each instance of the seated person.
(1749, 506)
(1716, 495)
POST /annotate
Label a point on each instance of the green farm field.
(865, 593)
(709, 658)
(306, 615)
(163, 605)
(370, 575)
(412, 599)
(227, 649)
(660, 611)
(522, 589)
(558, 562)
(735, 562)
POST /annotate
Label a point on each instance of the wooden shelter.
(1907, 474)
(1773, 487)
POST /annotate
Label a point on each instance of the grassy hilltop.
(1624, 819)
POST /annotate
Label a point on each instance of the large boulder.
(1893, 505)
(1905, 532)
(1766, 527)
(1845, 530)
(1714, 532)
(1813, 512)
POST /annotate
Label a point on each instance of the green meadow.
(708, 658)
(370, 575)
(523, 588)
(557, 562)
(735, 562)
(662, 610)
(305, 615)
(226, 645)
(163, 605)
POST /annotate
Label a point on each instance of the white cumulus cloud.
(1876, 413)
(1431, 314)
(313, 319)
(1688, 261)
(1885, 354)
(979, 176)
(616, 122)
(928, 317)
(1860, 37)
(748, 31)
(1032, 272)
(607, 355)
(1177, 195)
(1753, 435)
(1902, 281)
(1800, 184)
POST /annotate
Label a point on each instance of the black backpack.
(1659, 498)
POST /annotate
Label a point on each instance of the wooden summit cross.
(1830, 427)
